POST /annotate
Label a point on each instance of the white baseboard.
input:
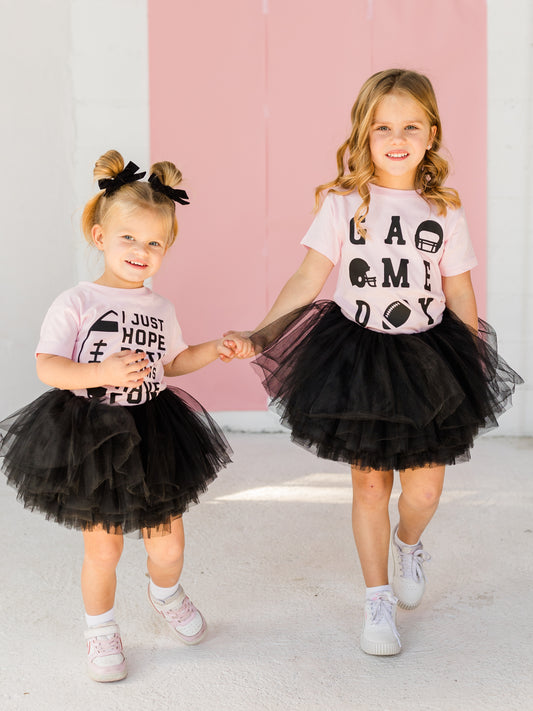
(249, 421)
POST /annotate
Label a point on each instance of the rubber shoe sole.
(380, 649)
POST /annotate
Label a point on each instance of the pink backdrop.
(251, 98)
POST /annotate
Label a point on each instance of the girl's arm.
(460, 298)
(301, 289)
(195, 357)
(123, 369)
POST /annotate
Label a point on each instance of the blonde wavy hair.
(131, 196)
(355, 168)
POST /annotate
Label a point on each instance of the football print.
(396, 314)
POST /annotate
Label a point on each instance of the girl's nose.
(397, 135)
(140, 248)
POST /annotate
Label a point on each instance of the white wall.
(36, 182)
(109, 66)
(510, 196)
(74, 77)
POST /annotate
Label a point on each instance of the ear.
(98, 237)
(432, 134)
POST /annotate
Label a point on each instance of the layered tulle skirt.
(84, 463)
(379, 400)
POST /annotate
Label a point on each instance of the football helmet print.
(359, 274)
(429, 236)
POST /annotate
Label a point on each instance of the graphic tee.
(90, 322)
(390, 280)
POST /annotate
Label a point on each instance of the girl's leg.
(165, 562)
(371, 530)
(421, 490)
(370, 522)
(98, 573)
(106, 661)
(165, 554)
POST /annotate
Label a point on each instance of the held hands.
(129, 369)
(199, 355)
(126, 369)
(235, 344)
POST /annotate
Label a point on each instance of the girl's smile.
(399, 136)
(397, 156)
(133, 243)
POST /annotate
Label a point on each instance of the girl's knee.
(104, 550)
(372, 490)
(426, 496)
(422, 488)
(167, 552)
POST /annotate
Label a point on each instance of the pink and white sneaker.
(182, 616)
(106, 660)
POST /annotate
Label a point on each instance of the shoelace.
(103, 646)
(181, 614)
(381, 611)
(412, 564)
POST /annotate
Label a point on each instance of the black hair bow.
(128, 175)
(173, 193)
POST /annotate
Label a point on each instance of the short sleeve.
(175, 342)
(60, 327)
(326, 231)
(458, 254)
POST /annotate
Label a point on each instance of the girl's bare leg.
(370, 521)
(98, 573)
(165, 562)
(421, 490)
(165, 554)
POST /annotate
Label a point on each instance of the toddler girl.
(112, 449)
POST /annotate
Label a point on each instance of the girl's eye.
(382, 128)
(155, 244)
(128, 237)
(411, 128)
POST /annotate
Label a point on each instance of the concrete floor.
(271, 563)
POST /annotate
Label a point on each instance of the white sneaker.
(106, 660)
(408, 578)
(379, 635)
(182, 616)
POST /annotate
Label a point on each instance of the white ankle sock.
(370, 592)
(97, 620)
(162, 594)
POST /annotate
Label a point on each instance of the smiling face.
(399, 136)
(134, 243)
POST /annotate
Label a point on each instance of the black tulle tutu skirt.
(84, 463)
(378, 400)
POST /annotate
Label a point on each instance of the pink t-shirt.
(90, 322)
(391, 281)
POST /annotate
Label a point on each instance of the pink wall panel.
(314, 69)
(207, 114)
(252, 99)
(447, 41)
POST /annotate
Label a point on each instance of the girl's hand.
(126, 369)
(241, 344)
(225, 349)
(197, 356)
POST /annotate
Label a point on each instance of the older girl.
(397, 372)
